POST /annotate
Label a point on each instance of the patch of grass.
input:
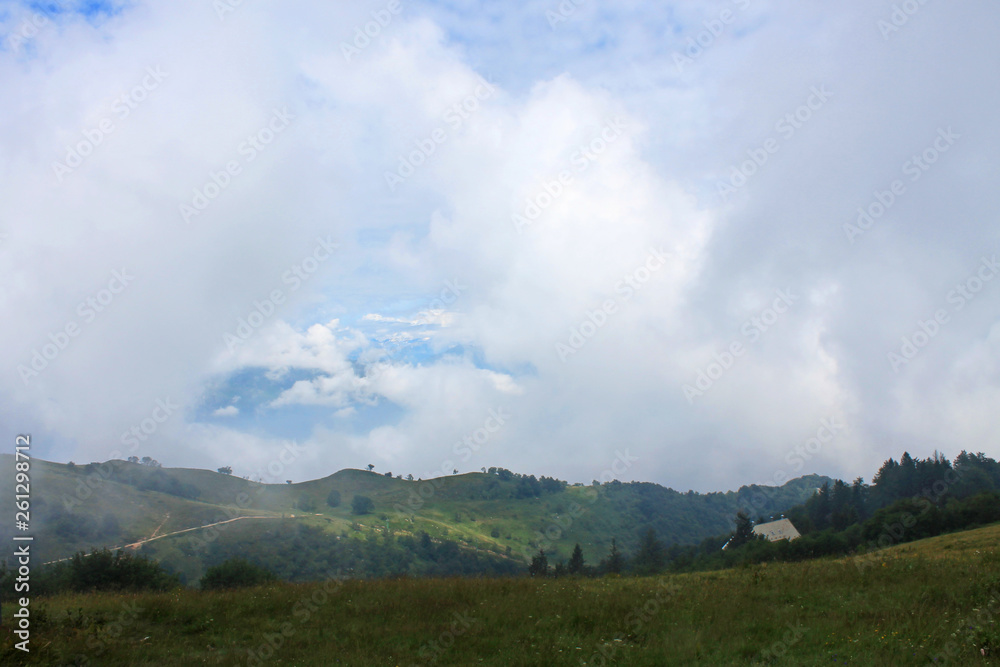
(927, 599)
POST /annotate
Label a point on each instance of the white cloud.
(437, 299)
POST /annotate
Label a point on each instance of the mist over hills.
(189, 519)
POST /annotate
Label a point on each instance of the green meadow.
(934, 601)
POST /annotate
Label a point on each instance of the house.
(782, 529)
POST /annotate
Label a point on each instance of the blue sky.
(581, 215)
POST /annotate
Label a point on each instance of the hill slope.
(499, 514)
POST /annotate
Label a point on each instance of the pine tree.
(615, 562)
(744, 530)
(651, 556)
(859, 498)
(909, 482)
(842, 514)
(819, 508)
(539, 564)
(576, 561)
(885, 485)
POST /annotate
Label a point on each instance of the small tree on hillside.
(615, 562)
(235, 573)
(371, 466)
(575, 565)
(226, 470)
(103, 570)
(333, 498)
(362, 505)
(744, 530)
(539, 564)
(651, 557)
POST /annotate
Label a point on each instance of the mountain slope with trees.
(907, 500)
(500, 517)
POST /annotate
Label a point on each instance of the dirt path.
(136, 545)
(160, 526)
(154, 536)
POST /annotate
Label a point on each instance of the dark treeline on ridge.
(907, 500)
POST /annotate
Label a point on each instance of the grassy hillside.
(117, 503)
(927, 602)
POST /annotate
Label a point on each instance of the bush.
(121, 571)
(306, 504)
(333, 499)
(235, 573)
(362, 505)
(100, 571)
(164, 483)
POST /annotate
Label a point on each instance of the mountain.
(490, 522)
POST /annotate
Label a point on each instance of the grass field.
(927, 602)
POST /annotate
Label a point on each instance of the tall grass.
(931, 599)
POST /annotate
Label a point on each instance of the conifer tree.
(576, 561)
(539, 564)
(744, 530)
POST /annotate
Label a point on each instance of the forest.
(907, 500)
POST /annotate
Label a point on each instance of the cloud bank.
(436, 236)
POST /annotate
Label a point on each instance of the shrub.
(362, 505)
(235, 573)
(102, 570)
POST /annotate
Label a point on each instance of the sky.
(702, 244)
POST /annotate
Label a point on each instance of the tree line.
(909, 499)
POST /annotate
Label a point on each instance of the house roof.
(782, 529)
